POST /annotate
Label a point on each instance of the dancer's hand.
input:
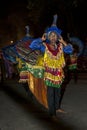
(62, 41)
(43, 37)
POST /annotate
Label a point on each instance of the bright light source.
(11, 41)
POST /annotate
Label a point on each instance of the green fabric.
(37, 72)
(24, 68)
(50, 84)
(72, 67)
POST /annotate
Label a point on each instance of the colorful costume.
(53, 63)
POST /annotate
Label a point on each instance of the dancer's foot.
(54, 118)
(60, 111)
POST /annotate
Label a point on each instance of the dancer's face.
(53, 37)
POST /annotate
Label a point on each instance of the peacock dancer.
(53, 48)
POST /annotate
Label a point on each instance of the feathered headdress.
(54, 27)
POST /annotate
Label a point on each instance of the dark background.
(38, 14)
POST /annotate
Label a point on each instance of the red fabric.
(54, 52)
